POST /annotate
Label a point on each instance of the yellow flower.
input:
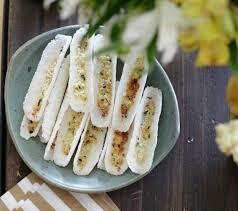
(216, 7)
(209, 31)
(232, 96)
(193, 8)
(178, 1)
(212, 53)
(189, 39)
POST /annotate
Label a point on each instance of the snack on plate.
(104, 79)
(29, 128)
(55, 100)
(129, 93)
(50, 147)
(89, 149)
(100, 164)
(144, 138)
(44, 78)
(68, 135)
(117, 147)
(81, 72)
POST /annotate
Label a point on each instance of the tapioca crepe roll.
(100, 164)
(50, 147)
(55, 100)
(89, 149)
(117, 147)
(104, 79)
(44, 78)
(68, 135)
(144, 138)
(129, 92)
(81, 72)
(29, 128)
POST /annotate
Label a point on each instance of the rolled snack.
(117, 147)
(104, 79)
(49, 150)
(29, 128)
(68, 135)
(81, 72)
(44, 78)
(55, 100)
(89, 149)
(100, 164)
(129, 93)
(144, 138)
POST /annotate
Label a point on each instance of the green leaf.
(150, 53)
(112, 47)
(235, 1)
(113, 7)
(233, 56)
(117, 30)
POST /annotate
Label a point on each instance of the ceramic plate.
(20, 72)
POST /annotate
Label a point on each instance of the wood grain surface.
(1, 93)
(195, 176)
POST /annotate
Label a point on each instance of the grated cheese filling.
(145, 130)
(89, 140)
(80, 88)
(104, 95)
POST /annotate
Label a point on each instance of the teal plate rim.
(62, 185)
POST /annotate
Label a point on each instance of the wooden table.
(194, 176)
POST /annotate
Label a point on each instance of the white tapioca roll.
(100, 164)
(68, 135)
(50, 147)
(129, 92)
(144, 138)
(44, 78)
(81, 71)
(104, 80)
(89, 149)
(29, 128)
(55, 100)
(117, 147)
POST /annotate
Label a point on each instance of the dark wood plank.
(3, 9)
(195, 175)
(26, 20)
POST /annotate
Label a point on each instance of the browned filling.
(145, 129)
(31, 126)
(118, 147)
(132, 87)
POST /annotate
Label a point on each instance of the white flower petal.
(84, 14)
(68, 8)
(47, 3)
(169, 54)
(169, 22)
(141, 29)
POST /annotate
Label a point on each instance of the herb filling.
(145, 130)
(90, 139)
(79, 88)
(104, 95)
(45, 86)
(73, 124)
